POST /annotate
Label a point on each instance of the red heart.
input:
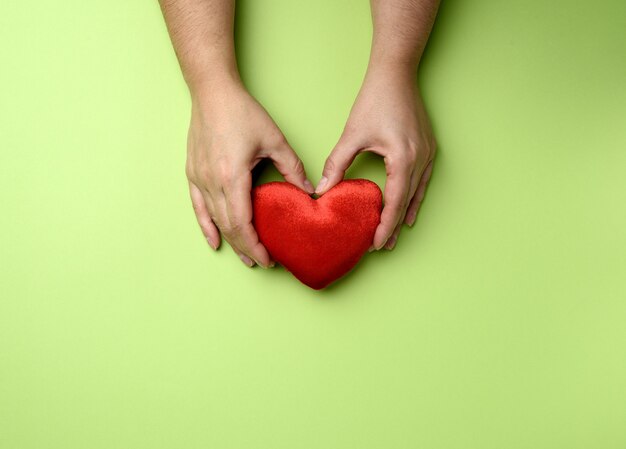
(317, 240)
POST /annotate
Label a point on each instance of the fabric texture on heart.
(317, 240)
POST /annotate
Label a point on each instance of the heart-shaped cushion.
(317, 240)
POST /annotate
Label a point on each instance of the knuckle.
(217, 223)
(410, 159)
(298, 166)
(330, 165)
(199, 175)
(206, 175)
(411, 154)
(235, 228)
(433, 147)
(224, 172)
(405, 161)
(189, 172)
(397, 162)
(394, 207)
(433, 142)
(196, 175)
(228, 230)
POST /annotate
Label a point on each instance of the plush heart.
(317, 240)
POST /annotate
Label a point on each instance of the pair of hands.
(230, 133)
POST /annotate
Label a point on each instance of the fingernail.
(272, 264)
(371, 248)
(245, 259)
(321, 184)
(211, 244)
(411, 220)
(309, 186)
(391, 242)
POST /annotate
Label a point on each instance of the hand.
(388, 118)
(229, 134)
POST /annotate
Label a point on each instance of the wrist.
(390, 72)
(218, 99)
(208, 87)
(390, 60)
(392, 65)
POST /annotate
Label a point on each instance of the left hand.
(388, 118)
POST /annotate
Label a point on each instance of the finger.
(216, 203)
(215, 198)
(209, 230)
(416, 202)
(225, 225)
(391, 243)
(245, 259)
(240, 229)
(336, 165)
(290, 166)
(396, 188)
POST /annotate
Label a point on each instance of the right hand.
(230, 133)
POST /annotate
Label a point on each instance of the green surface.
(497, 322)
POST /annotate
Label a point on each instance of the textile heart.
(320, 239)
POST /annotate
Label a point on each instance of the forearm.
(202, 35)
(401, 30)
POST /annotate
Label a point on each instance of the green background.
(497, 322)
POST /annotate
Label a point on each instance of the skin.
(230, 132)
(388, 117)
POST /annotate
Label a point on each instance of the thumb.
(335, 166)
(290, 166)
